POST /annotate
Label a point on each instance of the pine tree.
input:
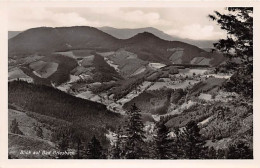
(63, 146)
(211, 153)
(151, 148)
(94, 149)
(117, 146)
(135, 135)
(193, 144)
(238, 23)
(163, 143)
(76, 135)
(14, 127)
(39, 131)
(116, 150)
(180, 142)
(79, 147)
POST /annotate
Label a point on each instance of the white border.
(27, 163)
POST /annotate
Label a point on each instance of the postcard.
(129, 83)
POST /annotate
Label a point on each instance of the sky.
(192, 23)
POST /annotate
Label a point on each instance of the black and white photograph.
(144, 82)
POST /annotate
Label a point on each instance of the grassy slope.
(27, 124)
(127, 62)
(54, 111)
(207, 86)
(16, 143)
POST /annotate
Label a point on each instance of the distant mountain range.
(146, 45)
(128, 33)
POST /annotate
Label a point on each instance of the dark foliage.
(191, 144)
(79, 135)
(14, 127)
(103, 72)
(241, 82)
(239, 44)
(94, 150)
(126, 87)
(39, 131)
(152, 102)
(164, 145)
(63, 146)
(240, 151)
(66, 64)
(134, 135)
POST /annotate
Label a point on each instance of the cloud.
(25, 18)
(175, 21)
(134, 18)
(197, 32)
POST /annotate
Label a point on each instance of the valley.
(72, 84)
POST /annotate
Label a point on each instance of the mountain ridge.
(146, 45)
(125, 33)
(58, 38)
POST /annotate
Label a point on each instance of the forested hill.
(55, 103)
(147, 46)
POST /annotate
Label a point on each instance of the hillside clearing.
(46, 70)
(172, 85)
(17, 73)
(190, 72)
(156, 66)
(67, 53)
(17, 143)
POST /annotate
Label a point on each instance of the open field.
(156, 66)
(173, 85)
(190, 72)
(16, 73)
(46, 70)
(67, 53)
(124, 62)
